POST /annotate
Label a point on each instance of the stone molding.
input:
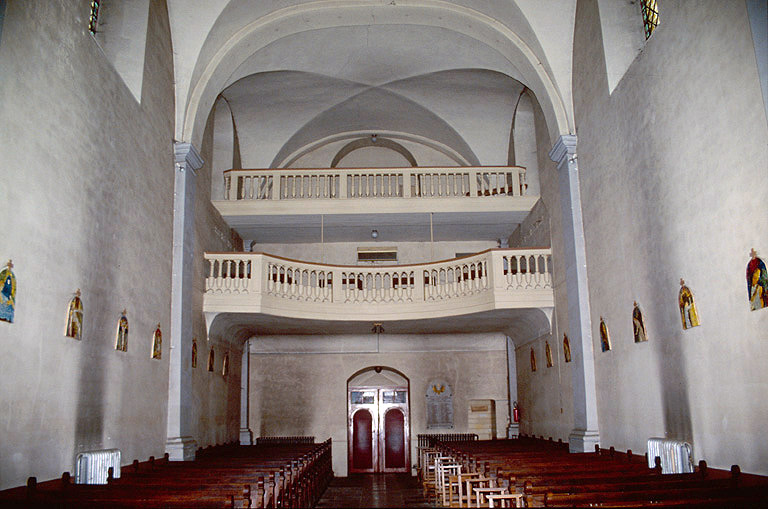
(563, 147)
(187, 156)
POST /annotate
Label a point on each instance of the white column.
(246, 435)
(513, 430)
(180, 445)
(585, 433)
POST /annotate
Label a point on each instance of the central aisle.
(373, 490)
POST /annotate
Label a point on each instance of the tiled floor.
(374, 490)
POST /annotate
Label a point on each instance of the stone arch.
(210, 77)
(342, 118)
(373, 141)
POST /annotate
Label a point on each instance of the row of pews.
(530, 472)
(276, 474)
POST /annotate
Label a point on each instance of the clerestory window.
(650, 11)
(93, 19)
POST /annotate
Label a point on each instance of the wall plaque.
(439, 405)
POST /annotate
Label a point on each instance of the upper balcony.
(255, 201)
(481, 292)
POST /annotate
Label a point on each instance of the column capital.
(187, 156)
(565, 146)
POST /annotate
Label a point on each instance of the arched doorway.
(378, 407)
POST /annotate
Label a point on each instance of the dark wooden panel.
(362, 440)
(394, 439)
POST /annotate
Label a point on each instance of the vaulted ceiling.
(299, 74)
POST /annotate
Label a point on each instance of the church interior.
(231, 219)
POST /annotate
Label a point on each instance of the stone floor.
(373, 490)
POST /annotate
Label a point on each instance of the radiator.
(91, 467)
(675, 455)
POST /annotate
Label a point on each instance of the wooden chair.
(505, 499)
(483, 492)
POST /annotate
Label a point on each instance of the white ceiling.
(516, 323)
(372, 43)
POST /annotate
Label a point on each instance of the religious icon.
(194, 353)
(8, 293)
(605, 339)
(157, 343)
(548, 354)
(533, 360)
(638, 327)
(75, 317)
(210, 360)
(121, 343)
(566, 348)
(757, 282)
(225, 365)
(687, 307)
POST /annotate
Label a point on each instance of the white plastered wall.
(673, 181)
(86, 200)
(303, 390)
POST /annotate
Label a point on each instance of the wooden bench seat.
(274, 475)
(548, 475)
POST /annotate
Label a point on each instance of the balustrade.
(335, 183)
(495, 270)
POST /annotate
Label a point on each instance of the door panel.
(378, 429)
(394, 439)
(362, 440)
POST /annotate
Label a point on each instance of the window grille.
(93, 19)
(650, 11)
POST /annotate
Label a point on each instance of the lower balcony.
(482, 292)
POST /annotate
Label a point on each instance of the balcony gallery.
(477, 292)
(288, 292)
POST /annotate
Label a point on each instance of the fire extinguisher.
(516, 413)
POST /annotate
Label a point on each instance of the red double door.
(378, 429)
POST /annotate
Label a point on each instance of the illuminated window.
(650, 16)
(93, 19)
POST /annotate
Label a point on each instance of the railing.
(335, 183)
(495, 270)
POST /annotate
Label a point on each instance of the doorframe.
(378, 443)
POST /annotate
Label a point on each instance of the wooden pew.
(549, 476)
(272, 475)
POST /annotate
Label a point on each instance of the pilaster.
(585, 432)
(246, 435)
(513, 428)
(180, 444)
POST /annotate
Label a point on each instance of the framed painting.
(8, 293)
(757, 282)
(75, 317)
(638, 325)
(688, 314)
(605, 338)
(121, 341)
(157, 343)
(548, 354)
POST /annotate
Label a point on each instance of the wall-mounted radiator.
(675, 455)
(92, 467)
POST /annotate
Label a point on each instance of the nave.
(374, 490)
(294, 473)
